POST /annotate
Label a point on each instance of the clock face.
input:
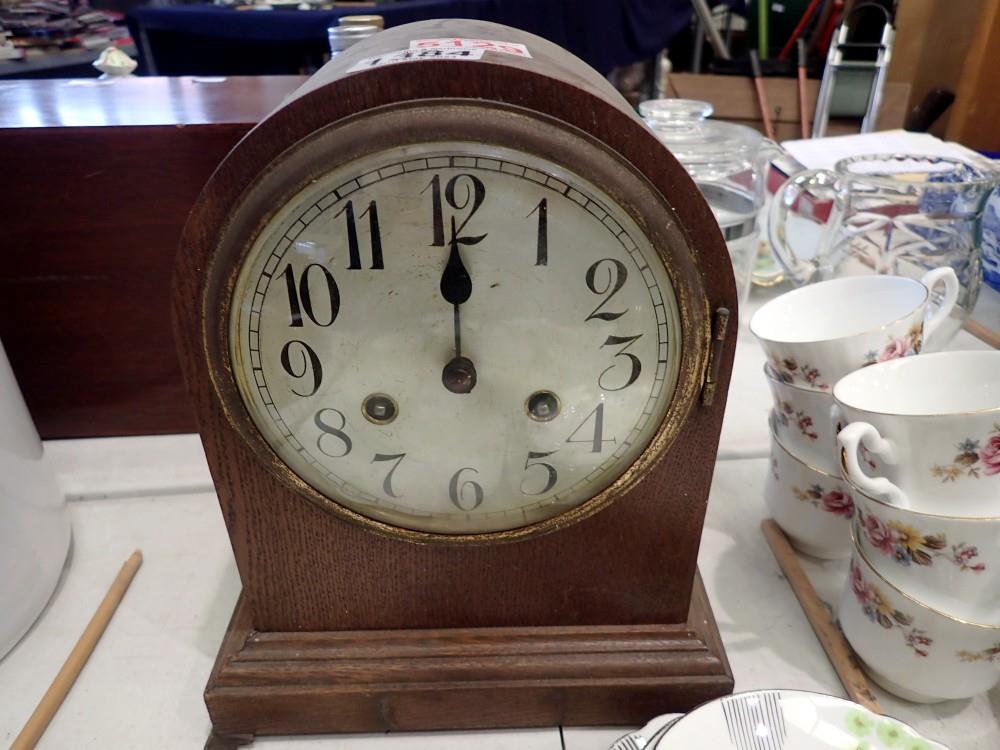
(454, 338)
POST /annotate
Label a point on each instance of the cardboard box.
(735, 100)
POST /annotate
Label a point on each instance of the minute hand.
(459, 375)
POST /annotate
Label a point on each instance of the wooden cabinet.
(952, 46)
(98, 179)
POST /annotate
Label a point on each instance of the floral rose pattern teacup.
(906, 546)
(910, 649)
(816, 334)
(791, 372)
(901, 346)
(833, 500)
(812, 507)
(952, 564)
(803, 421)
(973, 458)
(790, 417)
(878, 609)
(933, 425)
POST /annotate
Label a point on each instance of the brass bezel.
(490, 123)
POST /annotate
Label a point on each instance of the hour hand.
(456, 284)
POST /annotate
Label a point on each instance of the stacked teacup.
(921, 456)
(812, 337)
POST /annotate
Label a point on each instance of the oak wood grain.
(306, 570)
(463, 678)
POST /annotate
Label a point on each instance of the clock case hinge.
(720, 324)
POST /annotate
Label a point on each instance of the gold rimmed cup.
(946, 562)
(803, 422)
(818, 333)
(924, 433)
(911, 649)
(812, 506)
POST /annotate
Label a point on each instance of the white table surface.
(142, 688)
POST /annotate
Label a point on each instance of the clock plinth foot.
(467, 678)
(217, 741)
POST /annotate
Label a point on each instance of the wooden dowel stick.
(830, 638)
(803, 97)
(758, 84)
(983, 333)
(77, 658)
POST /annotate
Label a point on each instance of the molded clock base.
(465, 678)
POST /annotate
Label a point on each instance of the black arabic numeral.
(623, 352)
(300, 300)
(375, 236)
(437, 214)
(457, 490)
(616, 278)
(597, 440)
(353, 251)
(542, 247)
(330, 432)
(294, 310)
(387, 482)
(553, 476)
(474, 193)
(309, 362)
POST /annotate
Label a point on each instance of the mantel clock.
(458, 332)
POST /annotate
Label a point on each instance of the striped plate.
(789, 720)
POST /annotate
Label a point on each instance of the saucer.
(789, 720)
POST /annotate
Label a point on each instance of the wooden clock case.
(343, 627)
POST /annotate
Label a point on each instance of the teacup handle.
(851, 438)
(934, 317)
(800, 270)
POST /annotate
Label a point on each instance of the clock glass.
(454, 338)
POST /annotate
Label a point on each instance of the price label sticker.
(487, 45)
(415, 55)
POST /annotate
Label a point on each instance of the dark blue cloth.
(604, 33)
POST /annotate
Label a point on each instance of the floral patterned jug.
(890, 214)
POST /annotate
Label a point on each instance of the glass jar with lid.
(729, 164)
(351, 30)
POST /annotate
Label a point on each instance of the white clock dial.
(455, 338)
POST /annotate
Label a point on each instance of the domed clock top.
(458, 332)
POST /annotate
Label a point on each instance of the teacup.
(913, 650)
(816, 334)
(933, 424)
(803, 423)
(952, 564)
(813, 508)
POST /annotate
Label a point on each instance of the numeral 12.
(472, 198)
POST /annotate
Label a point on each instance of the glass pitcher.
(890, 214)
(729, 164)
